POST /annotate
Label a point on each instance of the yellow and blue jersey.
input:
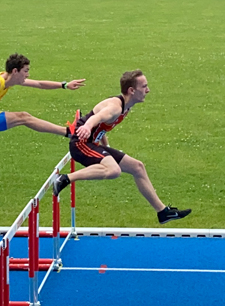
(3, 90)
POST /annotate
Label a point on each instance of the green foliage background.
(178, 132)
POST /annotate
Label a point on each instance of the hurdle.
(33, 264)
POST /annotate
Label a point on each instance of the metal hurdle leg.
(33, 254)
(72, 201)
(73, 190)
(56, 232)
(1, 274)
(4, 272)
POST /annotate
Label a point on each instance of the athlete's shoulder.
(115, 100)
(121, 102)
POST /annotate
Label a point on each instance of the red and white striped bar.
(48, 183)
(63, 162)
(19, 221)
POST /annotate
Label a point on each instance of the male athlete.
(103, 162)
(17, 73)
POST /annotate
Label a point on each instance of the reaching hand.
(75, 84)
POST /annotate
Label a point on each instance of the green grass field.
(178, 132)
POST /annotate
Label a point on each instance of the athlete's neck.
(9, 80)
(128, 101)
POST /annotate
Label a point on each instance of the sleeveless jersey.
(3, 90)
(99, 131)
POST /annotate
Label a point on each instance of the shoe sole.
(171, 219)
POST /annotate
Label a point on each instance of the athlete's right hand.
(83, 132)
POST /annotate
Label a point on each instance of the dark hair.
(17, 61)
(129, 79)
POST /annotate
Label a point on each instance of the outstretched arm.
(72, 85)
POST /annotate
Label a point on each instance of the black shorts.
(88, 153)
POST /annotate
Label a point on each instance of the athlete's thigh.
(116, 154)
(12, 119)
(3, 125)
(87, 153)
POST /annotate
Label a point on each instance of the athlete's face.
(22, 74)
(141, 89)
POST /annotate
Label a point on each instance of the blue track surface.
(130, 271)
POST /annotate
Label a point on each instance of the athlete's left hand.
(83, 132)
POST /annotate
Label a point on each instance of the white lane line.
(142, 270)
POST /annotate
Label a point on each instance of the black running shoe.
(60, 183)
(172, 213)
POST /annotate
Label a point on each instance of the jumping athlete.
(17, 73)
(104, 162)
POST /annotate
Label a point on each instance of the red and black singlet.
(99, 131)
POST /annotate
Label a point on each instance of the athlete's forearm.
(84, 131)
(42, 84)
(49, 85)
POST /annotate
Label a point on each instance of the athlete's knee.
(24, 116)
(138, 167)
(113, 172)
(14, 119)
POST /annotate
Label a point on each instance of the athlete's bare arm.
(75, 84)
(106, 111)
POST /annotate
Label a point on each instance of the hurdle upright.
(30, 211)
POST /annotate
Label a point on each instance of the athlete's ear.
(14, 71)
(131, 90)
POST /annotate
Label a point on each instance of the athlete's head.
(17, 61)
(134, 83)
(129, 79)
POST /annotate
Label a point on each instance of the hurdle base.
(57, 264)
(25, 267)
(73, 233)
(19, 303)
